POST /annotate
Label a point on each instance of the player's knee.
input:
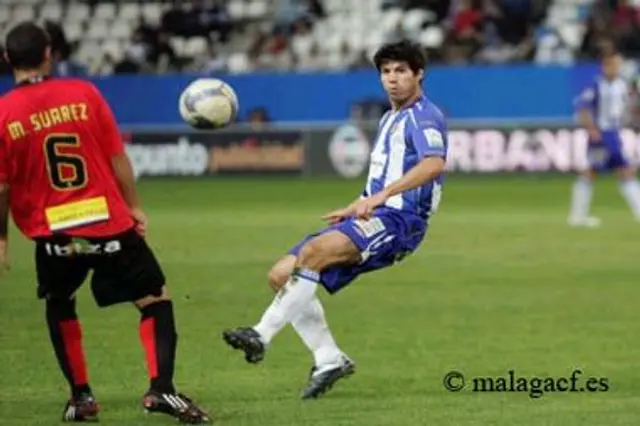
(588, 175)
(313, 254)
(152, 298)
(277, 278)
(626, 173)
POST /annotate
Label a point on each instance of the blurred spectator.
(160, 49)
(314, 35)
(128, 65)
(213, 62)
(63, 65)
(597, 32)
(258, 118)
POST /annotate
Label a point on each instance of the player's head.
(611, 62)
(28, 48)
(401, 67)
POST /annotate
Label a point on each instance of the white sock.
(292, 298)
(630, 189)
(312, 327)
(581, 198)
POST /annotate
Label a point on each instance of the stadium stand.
(104, 37)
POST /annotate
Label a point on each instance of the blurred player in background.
(602, 108)
(69, 185)
(387, 222)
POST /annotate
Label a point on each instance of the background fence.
(343, 150)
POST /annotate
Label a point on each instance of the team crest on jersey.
(434, 138)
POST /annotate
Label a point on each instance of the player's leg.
(325, 250)
(334, 258)
(59, 276)
(582, 190)
(629, 184)
(134, 275)
(311, 324)
(297, 299)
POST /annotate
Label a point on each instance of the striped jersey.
(404, 138)
(607, 101)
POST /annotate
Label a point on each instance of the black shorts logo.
(82, 247)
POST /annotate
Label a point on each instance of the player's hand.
(141, 221)
(594, 136)
(366, 206)
(337, 216)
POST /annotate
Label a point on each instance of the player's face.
(399, 81)
(611, 66)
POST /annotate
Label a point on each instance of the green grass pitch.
(501, 283)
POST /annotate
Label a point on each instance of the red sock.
(66, 336)
(159, 339)
(148, 338)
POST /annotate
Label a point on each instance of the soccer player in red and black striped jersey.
(69, 186)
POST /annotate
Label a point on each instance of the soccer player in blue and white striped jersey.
(386, 223)
(602, 108)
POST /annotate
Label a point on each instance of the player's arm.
(584, 106)
(126, 178)
(113, 149)
(423, 172)
(430, 144)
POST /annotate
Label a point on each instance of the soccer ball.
(208, 103)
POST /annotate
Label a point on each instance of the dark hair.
(26, 45)
(608, 49)
(401, 51)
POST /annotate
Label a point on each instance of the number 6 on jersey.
(66, 171)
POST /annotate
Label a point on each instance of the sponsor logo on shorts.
(82, 247)
(369, 227)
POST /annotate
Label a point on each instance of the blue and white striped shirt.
(405, 137)
(607, 101)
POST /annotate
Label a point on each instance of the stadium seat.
(5, 14)
(432, 37)
(360, 24)
(23, 12)
(73, 30)
(257, 9)
(152, 13)
(238, 63)
(129, 12)
(105, 11)
(114, 48)
(52, 12)
(413, 20)
(178, 44)
(236, 9)
(195, 47)
(572, 34)
(79, 12)
(121, 30)
(98, 30)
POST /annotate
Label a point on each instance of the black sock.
(159, 338)
(65, 332)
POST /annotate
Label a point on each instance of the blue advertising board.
(504, 93)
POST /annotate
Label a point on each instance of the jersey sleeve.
(587, 98)
(429, 136)
(112, 144)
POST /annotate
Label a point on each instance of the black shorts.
(124, 268)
